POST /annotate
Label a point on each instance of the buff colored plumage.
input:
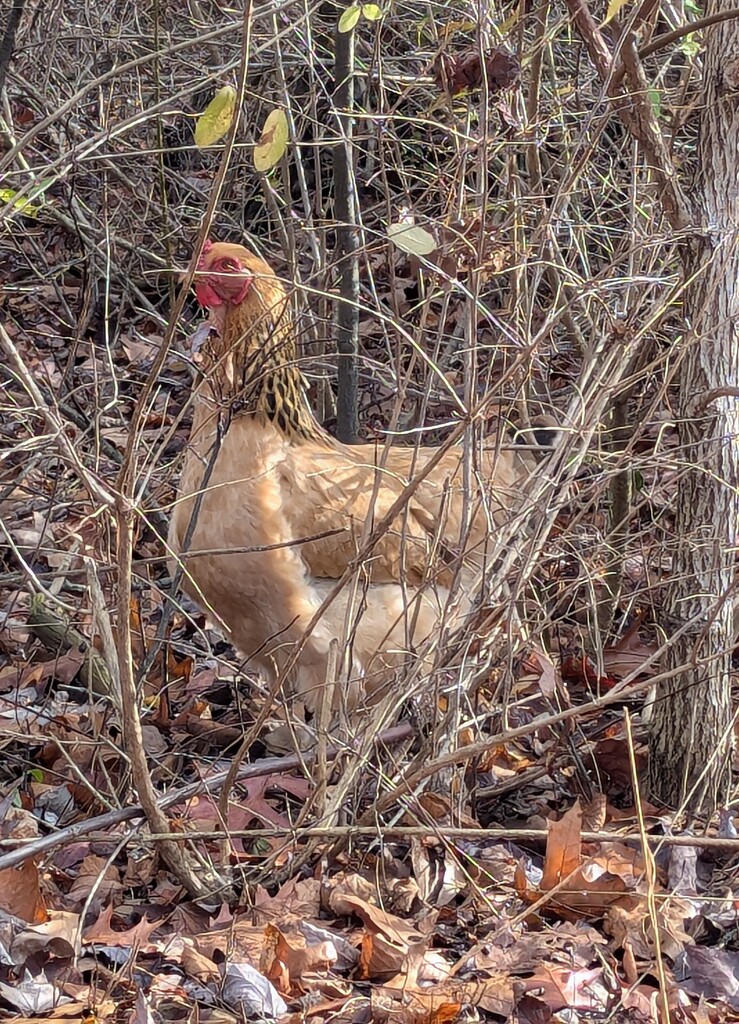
(267, 476)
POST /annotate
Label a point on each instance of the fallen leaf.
(56, 936)
(709, 972)
(142, 1010)
(456, 73)
(245, 989)
(289, 955)
(198, 965)
(630, 655)
(33, 994)
(298, 898)
(564, 853)
(101, 931)
(561, 988)
(94, 873)
(20, 894)
(629, 922)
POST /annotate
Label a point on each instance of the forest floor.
(482, 850)
(380, 877)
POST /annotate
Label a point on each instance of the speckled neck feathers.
(256, 362)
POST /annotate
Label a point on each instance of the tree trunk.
(691, 732)
(347, 243)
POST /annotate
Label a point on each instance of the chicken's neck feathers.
(260, 374)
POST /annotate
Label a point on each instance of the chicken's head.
(223, 274)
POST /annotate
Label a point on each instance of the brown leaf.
(412, 1006)
(239, 940)
(95, 872)
(547, 672)
(564, 853)
(103, 932)
(20, 894)
(455, 73)
(342, 889)
(561, 988)
(140, 351)
(629, 655)
(711, 973)
(594, 813)
(572, 944)
(380, 959)
(298, 898)
(530, 1010)
(388, 940)
(288, 956)
(402, 933)
(56, 936)
(629, 922)
(595, 875)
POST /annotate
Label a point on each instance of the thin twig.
(176, 858)
(667, 38)
(104, 822)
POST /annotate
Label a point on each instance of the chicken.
(271, 509)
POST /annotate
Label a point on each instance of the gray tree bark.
(691, 730)
(347, 243)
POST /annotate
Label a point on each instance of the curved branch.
(684, 30)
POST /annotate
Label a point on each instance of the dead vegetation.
(478, 844)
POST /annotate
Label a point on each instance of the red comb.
(207, 246)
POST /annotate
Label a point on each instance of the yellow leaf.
(21, 203)
(217, 118)
(614, 6)
(448, 30)
(349, 18)
(413, 240)
(273, 141)
(371, 12)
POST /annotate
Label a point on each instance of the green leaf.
(689, 45)
(349, 18)
(217, 118)
(273, 141)
(22, 204)
(614, 6)
(411, 239)
(655, 98)
(371, 12)
(40, 188)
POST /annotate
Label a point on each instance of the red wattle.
(206, 294)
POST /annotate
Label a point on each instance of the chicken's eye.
(229, 264)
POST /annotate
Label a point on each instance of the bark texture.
(691, 735)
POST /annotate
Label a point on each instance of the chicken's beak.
(182, 276)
